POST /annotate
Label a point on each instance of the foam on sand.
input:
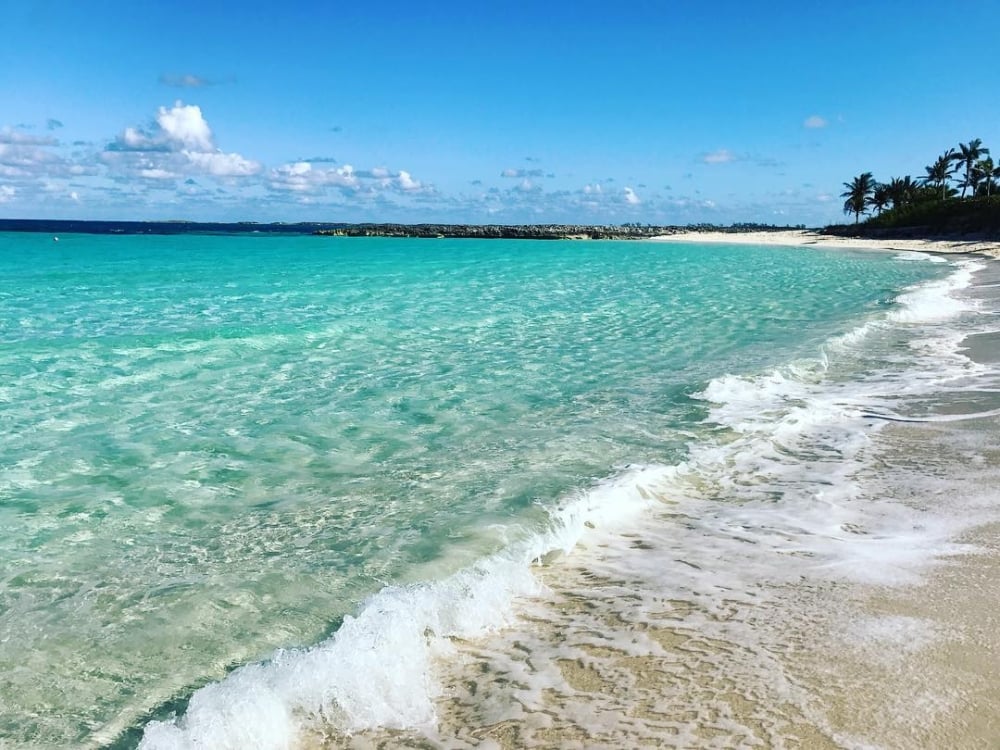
(714, 601)
(749, 607)
(377, 669)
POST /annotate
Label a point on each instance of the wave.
(801, 437)
(919, 256)
(782, 456)
(853, 375)
(375, 671)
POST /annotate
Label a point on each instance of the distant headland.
(633, 231)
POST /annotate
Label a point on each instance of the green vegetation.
(858, 194)
(932, 204)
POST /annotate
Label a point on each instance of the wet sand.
(737, 661)
(813, 664)
(655, 640)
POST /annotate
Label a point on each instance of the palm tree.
(941, 171)
(971, 180)
(858, 191)
(986, 171)
(971, 152)
(880, 197)
(902, 190)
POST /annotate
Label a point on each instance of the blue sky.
(589, 112)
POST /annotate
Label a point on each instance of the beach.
(272, 492)
(880, 631)
(492, 376)
(796, 238)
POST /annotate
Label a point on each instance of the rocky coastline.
(532, 231)
(341, 229)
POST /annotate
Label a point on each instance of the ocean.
(292, 491)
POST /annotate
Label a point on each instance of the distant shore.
(812, 238)
(629, 231)
(736, 234)
(634, 231)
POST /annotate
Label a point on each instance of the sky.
(566, 111)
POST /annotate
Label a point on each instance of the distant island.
(633, 231)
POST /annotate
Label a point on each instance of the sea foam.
(782, 486)
(377, 671)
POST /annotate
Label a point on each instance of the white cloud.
(312, 182)
(178, 144)
(814, 121)
(157, 174)
(17, 138)
(297, 177)
(135, 140)
(74, 196)
(522, 173)
(592, 189)
(300, 168)
(721, 156)
(219, 164)
(630, 197)
(407, 183)
(7, 193)
(25, 157)
(184, 125)
(302, 177)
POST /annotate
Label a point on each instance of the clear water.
(216, 447)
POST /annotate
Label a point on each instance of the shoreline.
(812, 660)
(674, 627)
(741, 234)
(810, 238)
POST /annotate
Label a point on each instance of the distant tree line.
(969, 167)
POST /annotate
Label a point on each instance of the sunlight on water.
(215, 447)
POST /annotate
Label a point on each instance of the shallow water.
(217, 447)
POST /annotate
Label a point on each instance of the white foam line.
(935, 417)
(376, 670)
(935, 301)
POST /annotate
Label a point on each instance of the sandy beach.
(808, 237)
(815, 661)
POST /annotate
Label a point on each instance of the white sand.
(806, 237)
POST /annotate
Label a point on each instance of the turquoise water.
(216, 447)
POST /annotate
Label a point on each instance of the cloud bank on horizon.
(555, 112)
(175, 160)
(174, 163)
